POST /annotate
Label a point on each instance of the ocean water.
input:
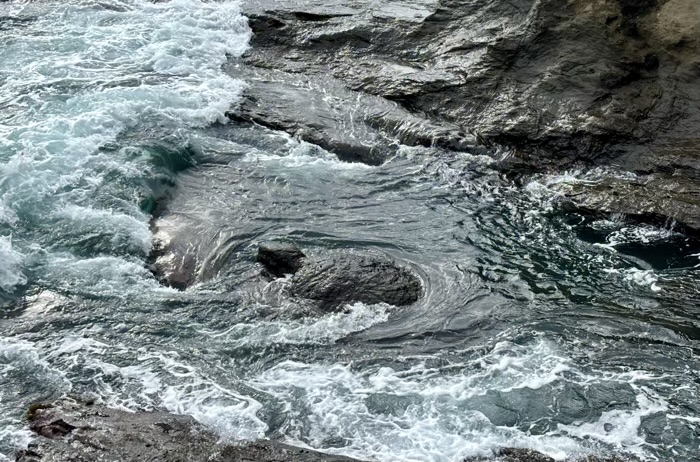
(539, 328)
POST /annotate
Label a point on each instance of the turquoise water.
(541, 329)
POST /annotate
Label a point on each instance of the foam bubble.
(323, 330)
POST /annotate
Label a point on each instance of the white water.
(84, 74)
(76, 76)
(25, 378)
(426, 413)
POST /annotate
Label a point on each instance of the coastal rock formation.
(614, 83)
(343, 278)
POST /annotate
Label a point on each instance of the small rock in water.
(340, 279)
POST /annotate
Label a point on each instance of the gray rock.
(280, 258)
(559, 84)
(528, 455)
(338, 280)
(355, 126)
(655, 198)
(335, 280)
(537, 75)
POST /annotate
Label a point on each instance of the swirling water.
(539, 328)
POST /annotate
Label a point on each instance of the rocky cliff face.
(557, 83)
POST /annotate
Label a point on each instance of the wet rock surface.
(528, 455)
(338, 279)
(280, 258)
(658, 198)
(560, 84)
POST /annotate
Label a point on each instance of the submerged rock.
(344, 278)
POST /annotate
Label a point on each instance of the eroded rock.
(560, 80)
(561, 84)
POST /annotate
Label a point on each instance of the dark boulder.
(344, 278)
(280, 258)
(337, 280)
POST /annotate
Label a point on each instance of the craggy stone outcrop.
(338, 279)
(573, 75)
(560, 83)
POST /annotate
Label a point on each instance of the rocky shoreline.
(79, 430)
(540, 85)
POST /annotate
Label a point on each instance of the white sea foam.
(25, 378)
(105, 275)
(640, 277)
(620, 428)
(300, 154)
(158, 379)
(79, 74)
(10, 266)
(419, 414)
(323, 330)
